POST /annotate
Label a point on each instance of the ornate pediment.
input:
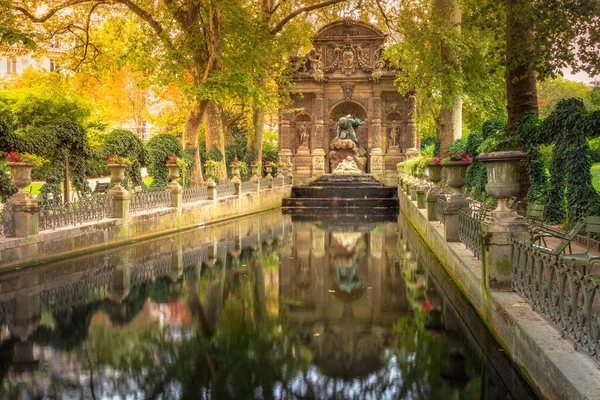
(348, 27)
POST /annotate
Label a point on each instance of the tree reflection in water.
(352, 325)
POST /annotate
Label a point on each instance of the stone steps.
(343, 194)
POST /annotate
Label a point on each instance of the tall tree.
(190, 34)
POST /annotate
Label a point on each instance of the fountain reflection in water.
(261, 307)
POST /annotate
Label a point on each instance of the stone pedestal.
(421, 193)
(341, 149)
(212, 189)
(413, 189)
(303, 162)
(431, 200)
(176, 194)
(318, 162)
(120, 198)
(237, 185)
(376, 161)
(455, 203)
(496, 254)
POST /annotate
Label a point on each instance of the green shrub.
(158, 148)
(124, 143)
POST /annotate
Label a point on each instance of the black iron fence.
(145, 201)
(195, 194)
(7, 223)
(54, 214)
(440, 206)
(469, 229)
(561, 293)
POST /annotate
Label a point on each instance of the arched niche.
(352, 108)
(395, 124)
(302, 120)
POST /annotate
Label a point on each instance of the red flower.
(426, 306)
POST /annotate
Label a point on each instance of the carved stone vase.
(117, 173)
(269, 169)
(503, 180)
(236, 171)
(434, 172)
(173, 171)
(457, 175)
(20, 174)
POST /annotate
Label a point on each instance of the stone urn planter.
(254, 170)
(117, 173)
(457, 175)
(173, 171)
(236, 171)
(434, 171)
(269, 170)
(20, 174)
(503, 180)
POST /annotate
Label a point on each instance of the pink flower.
(426, 306)
(507, 140)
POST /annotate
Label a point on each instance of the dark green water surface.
(265, 307)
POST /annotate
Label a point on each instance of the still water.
(262, 307)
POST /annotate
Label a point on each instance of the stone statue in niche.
(394, 134)
(303, 135)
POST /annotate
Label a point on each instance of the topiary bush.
(159, 147)
(65, 138)
(124, 143)
(476, 173)
(570, 126)
(529, 131)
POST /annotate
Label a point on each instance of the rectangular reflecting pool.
(267, 307)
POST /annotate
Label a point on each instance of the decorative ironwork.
(248, 187)
(78, 293)
(570, 300)
(469, 230)
(440, 206)
(225, 190)
(143, 201)
(7, 225)
(7, 312)
(195, 194)
(56, 215)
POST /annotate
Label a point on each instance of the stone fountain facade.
(344, 74)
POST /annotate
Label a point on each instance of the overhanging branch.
(302, 10)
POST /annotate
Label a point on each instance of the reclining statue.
(345, 128)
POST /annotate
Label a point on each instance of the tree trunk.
(215, 138)
(258, 122)
(521, 92)
(190, 141)
(451, 112)
(67, 181)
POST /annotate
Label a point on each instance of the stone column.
(318, 140)
(411, 130)
(376, 156)
(431, 200)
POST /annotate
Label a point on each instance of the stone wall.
(535, 345)
(93, 236)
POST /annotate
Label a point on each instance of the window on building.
(11, 65)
